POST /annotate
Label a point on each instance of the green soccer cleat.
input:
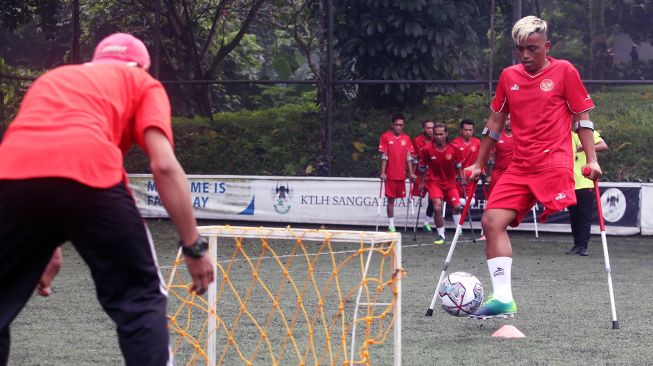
(494, 309)
(439, 240)
(392, 229)
(427, 228)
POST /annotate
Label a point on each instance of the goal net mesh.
(290, 296)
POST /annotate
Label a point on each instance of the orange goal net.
(285, 296)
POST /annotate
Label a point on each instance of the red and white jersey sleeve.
(541, 108)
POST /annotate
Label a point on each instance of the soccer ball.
(461, 294)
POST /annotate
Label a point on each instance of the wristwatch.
(197, 249)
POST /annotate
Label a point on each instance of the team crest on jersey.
(448, 156)
(403, 142)
(473, 148)
(547, 85)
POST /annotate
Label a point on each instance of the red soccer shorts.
(438, 190)
(395, 188)
(496, 174)
(553, 188)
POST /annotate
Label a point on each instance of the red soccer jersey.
(441, 163)
(541, 108)
(418, 144)
(397, 149)
(468, 150)
(77, 121)
(503, 150)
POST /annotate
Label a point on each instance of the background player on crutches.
(421, 140)
(396, 155)
(443, 162)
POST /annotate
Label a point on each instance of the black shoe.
(583, 252)
(575, 249)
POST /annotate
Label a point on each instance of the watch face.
(198, 248)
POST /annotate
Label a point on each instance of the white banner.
(340, 201)
(346, 201)
(647, 209)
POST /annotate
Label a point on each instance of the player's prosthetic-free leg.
(419, 208)
(378, 206)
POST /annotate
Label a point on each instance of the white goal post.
(361, 308)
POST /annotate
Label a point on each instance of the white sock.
(456, 218)
(500, 268)
(440, 231)
(392, 221)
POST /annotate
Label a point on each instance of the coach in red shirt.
(62, 179)
(545, 98)
(396, 155)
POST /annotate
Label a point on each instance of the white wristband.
(494, 135)
(585, 123)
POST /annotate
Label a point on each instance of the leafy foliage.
(406, 39)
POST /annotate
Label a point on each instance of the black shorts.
(104, 225)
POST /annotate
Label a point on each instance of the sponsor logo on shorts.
(498, 272)
(547, 85)
(560, 196)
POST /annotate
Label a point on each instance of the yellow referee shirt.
(580, 160)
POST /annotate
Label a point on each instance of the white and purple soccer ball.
(461, 293)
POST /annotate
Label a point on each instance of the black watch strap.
(197, 249)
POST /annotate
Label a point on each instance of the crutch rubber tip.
(615, 324)
(586, 171)
(429, 312)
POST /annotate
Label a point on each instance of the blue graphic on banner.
(250, 208)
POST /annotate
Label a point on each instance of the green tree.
(406, 39)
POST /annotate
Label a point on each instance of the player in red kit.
(443, 168)
(468, 145)
(501, 155)
(546, 99)
(396, 155)
(419, 142)
(62, 179)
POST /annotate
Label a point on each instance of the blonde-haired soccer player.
(546, 99)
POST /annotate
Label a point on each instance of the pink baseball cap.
(122, 47)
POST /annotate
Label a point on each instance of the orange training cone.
(508, 331)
